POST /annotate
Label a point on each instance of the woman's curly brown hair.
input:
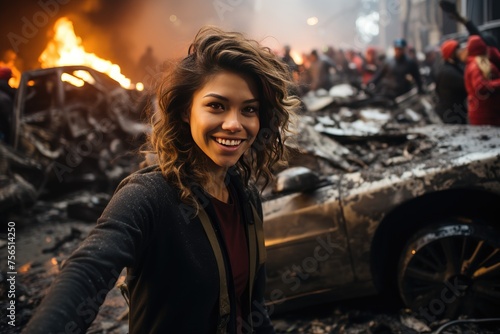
(212, 51)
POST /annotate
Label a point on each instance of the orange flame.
(24, 268)
(297, 57)
(9, 60)
(66, 49)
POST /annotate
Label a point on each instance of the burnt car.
(408, 210)
(71, 126)
(73, 114)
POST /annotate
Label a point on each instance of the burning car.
(378, 207)
(71, 125)
(76, 121)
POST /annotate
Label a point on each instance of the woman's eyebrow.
(251, 101)
(226, 99)
(217, 96)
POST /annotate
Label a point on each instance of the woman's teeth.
(228, 142)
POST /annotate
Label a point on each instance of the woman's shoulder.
(149, 173)
(149, 178)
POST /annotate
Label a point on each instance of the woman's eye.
(251, 109)
(215, 105)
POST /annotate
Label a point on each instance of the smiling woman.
(189, 229)
(235, 76)
(224, 122)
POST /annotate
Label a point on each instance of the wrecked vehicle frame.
(420, 224)
(71, 125)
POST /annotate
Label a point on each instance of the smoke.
(122, 30)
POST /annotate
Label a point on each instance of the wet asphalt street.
(45, 236)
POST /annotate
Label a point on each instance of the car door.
(307, 249)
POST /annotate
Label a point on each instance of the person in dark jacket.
(450, 84)
(189, 229)
(392, 79)
(482, 81)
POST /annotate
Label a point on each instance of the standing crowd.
(464, 74)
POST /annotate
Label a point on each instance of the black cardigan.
(172, 273)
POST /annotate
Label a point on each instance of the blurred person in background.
(319, 69)
(428, 65)
(482, 82)
(411, 53)
(450, 84)
(394, 77)
(370, 65)
(288, 60)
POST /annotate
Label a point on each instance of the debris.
(413, 323)
(342, 90)
(314, 103)
(88, 208)
(75, 234)
(67, 136)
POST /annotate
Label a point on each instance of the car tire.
(451, 269)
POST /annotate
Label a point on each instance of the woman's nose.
(232, 122)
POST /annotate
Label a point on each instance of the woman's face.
(224, 117)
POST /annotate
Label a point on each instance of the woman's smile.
(229, 142)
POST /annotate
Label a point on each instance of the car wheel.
(451, 269)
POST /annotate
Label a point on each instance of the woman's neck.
(216, 186)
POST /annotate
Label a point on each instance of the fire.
(66, 49)
(24, 268)
(297, 57)
(9, 60)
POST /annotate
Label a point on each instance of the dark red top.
(233, 231)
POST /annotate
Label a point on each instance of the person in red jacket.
(370, 65)
(482, 82)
